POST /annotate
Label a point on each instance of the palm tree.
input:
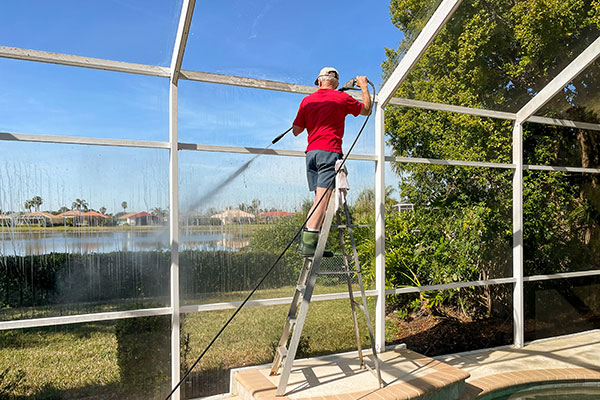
(124, 205)
(37, 202)
(159, 212)
(102, 210)
(28, 205)
(255, 206)
(79, 204)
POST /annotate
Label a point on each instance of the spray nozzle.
(350, 85)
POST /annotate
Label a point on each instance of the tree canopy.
(494, 54)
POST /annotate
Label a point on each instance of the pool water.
(554, 391)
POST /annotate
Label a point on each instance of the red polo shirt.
(323, 114)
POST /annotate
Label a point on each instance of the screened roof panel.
(290, 41)
(578, 101)
(410, 20)
(497, 55)
(138, 31)
(49, 99)
(226, 115)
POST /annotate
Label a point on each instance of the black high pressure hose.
(348, 86)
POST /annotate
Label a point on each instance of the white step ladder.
(302, 296)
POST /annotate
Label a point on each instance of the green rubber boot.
(308, 244)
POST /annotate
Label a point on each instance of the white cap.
(326, 72)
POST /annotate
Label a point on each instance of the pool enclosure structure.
(182, 292)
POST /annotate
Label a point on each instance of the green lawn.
(82, 359)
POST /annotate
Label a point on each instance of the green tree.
(63, 209)
(28, 205)
(255, 206)
(37, 202)
(124, 206)
(161, 213)
(79, 205)
(493, 54)
(102, 210)
(364, 206)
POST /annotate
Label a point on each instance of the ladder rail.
(312, 278)
(350, 293)
(362, 292)
(290, 320)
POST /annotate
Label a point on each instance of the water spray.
(350, 85)
(210, 195)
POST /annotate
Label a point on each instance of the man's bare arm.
(296, 130)
(361, 81)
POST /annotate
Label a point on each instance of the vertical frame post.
(174, 237)
(380, 227)
(518, 290)
(183, 29)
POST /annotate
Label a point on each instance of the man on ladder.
(323, 115)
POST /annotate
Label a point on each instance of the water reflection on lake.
(37, 243)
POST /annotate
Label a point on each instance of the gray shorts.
(320, 168)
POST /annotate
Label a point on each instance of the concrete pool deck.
(409, 375)
(573, 357)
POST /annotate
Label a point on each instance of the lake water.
(30, 243)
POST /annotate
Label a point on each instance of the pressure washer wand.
(280, 136)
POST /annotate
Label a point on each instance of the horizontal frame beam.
(561, 169)
(482, 112)
(21, 137)
(82, 318)
(84, 62)
(458, 163)
(446, 286)
(108, 316)
(246, 82)
(269, 302)
(427, 105)
(562, 275)
(257, 150)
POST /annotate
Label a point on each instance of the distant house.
(5, 220)
(93, 217)
(80, 218)
(269, 216)
(234, 217)
(38, 218)
(71, 217)
(139, 218)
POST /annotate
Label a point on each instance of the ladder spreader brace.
(303, 294)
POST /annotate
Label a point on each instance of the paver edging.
(491, 383)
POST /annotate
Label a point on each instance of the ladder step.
(337, 272)
(282, 350)
(351, 226)
(301, 288)
(360, 306)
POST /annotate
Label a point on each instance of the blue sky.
(278, 40)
